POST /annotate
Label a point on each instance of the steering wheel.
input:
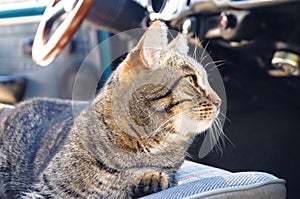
(47, 45)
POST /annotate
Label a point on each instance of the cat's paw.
(147, 183)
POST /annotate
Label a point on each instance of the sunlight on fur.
(128, 143)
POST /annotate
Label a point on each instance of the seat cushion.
(200, 181)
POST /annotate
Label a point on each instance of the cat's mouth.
(196, 121)
(216, 112)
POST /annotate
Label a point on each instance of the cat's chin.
(190, 127)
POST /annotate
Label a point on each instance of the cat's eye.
(193, 80)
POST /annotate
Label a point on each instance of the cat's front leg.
(148, 183)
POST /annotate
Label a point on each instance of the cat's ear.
(153, 41)
(179, 44)
(147, 52)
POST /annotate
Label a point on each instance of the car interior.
(262, 97)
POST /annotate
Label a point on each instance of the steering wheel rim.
(44, 50)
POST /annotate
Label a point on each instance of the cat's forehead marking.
(187, 68)
(196, 66)
(185, 63)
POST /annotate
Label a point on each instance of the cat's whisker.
(195, 51)
(170, 33)
(217, 135)
(203, 52)
(220, 126)
(197, 41)
(209, 63)
(224, 116)
(218, 61)
(160, 128)
(221, 61)
(202, 59)
(215, 138)
(211, 136)
(197, 44)
(216, 64)
(166, 121)
(155, 111)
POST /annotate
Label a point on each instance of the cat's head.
(158, 87)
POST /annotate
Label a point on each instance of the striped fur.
(128, 143)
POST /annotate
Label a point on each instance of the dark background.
(263, 121)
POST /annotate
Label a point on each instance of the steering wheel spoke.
(46, 47)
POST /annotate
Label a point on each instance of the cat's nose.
(217, 102)
(215, 99)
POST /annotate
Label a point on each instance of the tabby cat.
(127, 143)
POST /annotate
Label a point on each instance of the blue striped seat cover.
(201, 181)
